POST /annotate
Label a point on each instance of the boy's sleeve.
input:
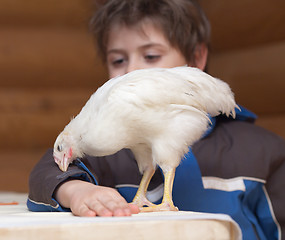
(275, 184)
(46, 177)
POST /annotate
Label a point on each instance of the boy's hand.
(88, 200)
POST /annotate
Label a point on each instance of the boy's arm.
(45, 178)
(86, 199)
(54, 190)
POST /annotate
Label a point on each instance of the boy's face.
(130, 49)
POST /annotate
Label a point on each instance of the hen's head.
(64, 150)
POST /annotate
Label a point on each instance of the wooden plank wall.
(248, 47)
(48, 69)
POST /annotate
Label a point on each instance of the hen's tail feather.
(214, 94)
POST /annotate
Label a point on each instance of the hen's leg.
(167, 203)
(140, 199)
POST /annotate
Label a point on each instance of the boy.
(168, 33)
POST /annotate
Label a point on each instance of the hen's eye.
(59, 148)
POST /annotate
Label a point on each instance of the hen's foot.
(164, 206)
(142, 201)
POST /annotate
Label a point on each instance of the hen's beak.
(62, 163)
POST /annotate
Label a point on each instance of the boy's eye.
(152, 58)
(118, 61)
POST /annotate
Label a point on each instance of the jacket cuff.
(85, 175)
(43, 207)
(81, 165)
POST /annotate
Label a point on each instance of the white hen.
(157, 113)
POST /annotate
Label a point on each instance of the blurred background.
(48, 70)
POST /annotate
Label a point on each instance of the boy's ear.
(201, 56)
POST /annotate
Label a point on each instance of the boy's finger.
(83, 211)
(118, 208)
(100, 209)
(134, 208)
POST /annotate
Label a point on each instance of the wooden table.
(16, 222)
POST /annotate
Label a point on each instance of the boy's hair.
(182, 22)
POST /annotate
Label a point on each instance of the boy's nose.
(133, 65)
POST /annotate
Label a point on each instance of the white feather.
(157, 113)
